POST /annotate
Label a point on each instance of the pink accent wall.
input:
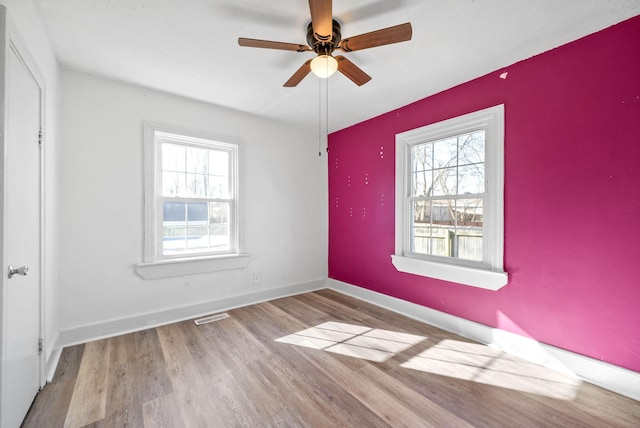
(572, 198)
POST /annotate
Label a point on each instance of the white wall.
(24, 17)
(102, 205)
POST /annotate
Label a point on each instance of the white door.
(21, 225)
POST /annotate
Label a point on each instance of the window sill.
(474, 277)
(191, 266)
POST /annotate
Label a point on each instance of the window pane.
(196, 185)
(422, 212)
(445, 153)
(421, 183)
(197, 160)
(197, 226)
(469, 212)
(197, 171)
(444, 182)
(217, 186)
(174, 212)
(422, 170)
(197, 213)
(469, 219)
(219, 162)
(442, 227)
(173, 184)
(471, 179)
(174, 224)
(440, 242)
(422, 157)
(471, 148)
(420, 231)
(173, 157)
(173, 167)
(219, 230)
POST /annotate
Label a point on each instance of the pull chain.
(326, 123)
(320, 117)
(326, 127)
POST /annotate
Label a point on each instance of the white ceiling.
(189, 47)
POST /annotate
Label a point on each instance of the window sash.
(441, 232)
(161, 228)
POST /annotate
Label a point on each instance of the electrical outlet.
(256, 277)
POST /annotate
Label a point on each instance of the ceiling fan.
(323, 37)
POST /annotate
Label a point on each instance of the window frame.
(489, 272)
(155, 264)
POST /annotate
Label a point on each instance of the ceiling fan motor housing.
(324, 48)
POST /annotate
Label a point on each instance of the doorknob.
(18, 271)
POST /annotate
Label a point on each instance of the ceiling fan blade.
(300, 74)
(385, 36)
(352, 71)
(268, 44)
(321, 19)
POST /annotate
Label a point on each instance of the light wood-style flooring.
(319, 359)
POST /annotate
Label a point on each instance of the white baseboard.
(54, 350)
(614, 378)
(617, 379)
(101, 330)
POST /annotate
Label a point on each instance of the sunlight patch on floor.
(372, 344)
(482, 364)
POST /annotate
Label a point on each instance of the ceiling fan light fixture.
(324, 66)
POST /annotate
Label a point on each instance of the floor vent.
(211, 318)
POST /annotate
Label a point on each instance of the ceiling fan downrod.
(324, 47)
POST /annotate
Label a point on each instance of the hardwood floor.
(314, 360)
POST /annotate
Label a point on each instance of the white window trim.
(489, 274)
(154, 266)
(191, 266)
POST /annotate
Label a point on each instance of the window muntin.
(193, 210)
(447, 193)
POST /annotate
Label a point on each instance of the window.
(449, 200)
(191, 199)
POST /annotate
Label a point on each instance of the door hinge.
(40, 346)
(40, 134)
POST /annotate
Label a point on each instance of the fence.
(463, 243)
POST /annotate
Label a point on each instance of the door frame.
(10, 41)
